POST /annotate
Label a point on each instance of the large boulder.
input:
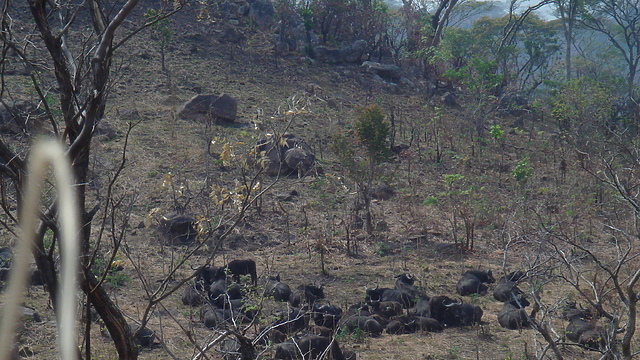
(285, 156)
(262, 12)
(210, 108)
(351, 53)
(385, 71)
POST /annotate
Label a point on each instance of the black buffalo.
(280, 291)
(236, 268)
(451, 313)
(366, 324)
(411, 324)
(405, 282)
(422, 307)
(387, 309)
(193, 296)
(513, 316)
(506, 288)
(213, 317)
(221, 291)
(206, 276)
(306, 293)
(290, 321)
(326, 315)
(582, 328)
(377, 294)
(473, 282)
(309, 347)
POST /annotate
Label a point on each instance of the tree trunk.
(113, 319)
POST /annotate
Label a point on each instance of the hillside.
(455, 182)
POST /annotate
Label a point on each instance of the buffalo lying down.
(306, 293)
(582, 328)
(506, 288)
(513, 315)
(473, 282)
(451, 313)
(280, 291)
(309, 347)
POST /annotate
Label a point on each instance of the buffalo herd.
(402, 309)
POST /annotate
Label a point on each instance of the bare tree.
(619, 22)
(568, 11)
(67, 60)
(595, 266)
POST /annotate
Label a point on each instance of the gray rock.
(210, 108)
(353, 53)
(263, 12)
(285, 156)
(299, 159)
(348, 54)
(225, 108)
(385, 71)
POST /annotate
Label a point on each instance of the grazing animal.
(451, 313)
(367, 324)
(236, 268)
(513, 316)
(290, 322)
(309, 293)
(378, 294)
(387, 309)
(422, 307)
(280, 291)
(405, 282)
(473, 282)
(221, 291)
(582, 329)
(309, 347)
(506, 288)
(327, 315)
(411, 324)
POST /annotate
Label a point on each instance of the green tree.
(360, 159)
(582, 106)
(161, 32)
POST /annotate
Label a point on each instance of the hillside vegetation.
(482, 168)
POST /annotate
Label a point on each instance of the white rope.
(44, 153)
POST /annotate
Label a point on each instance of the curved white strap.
(44, 153)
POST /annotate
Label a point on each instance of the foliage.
(582, 106)
(112, 272)
(160, 27)
(529, 52)
(522, 171)
(360, 158)
(497, 133)
(373, 132)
